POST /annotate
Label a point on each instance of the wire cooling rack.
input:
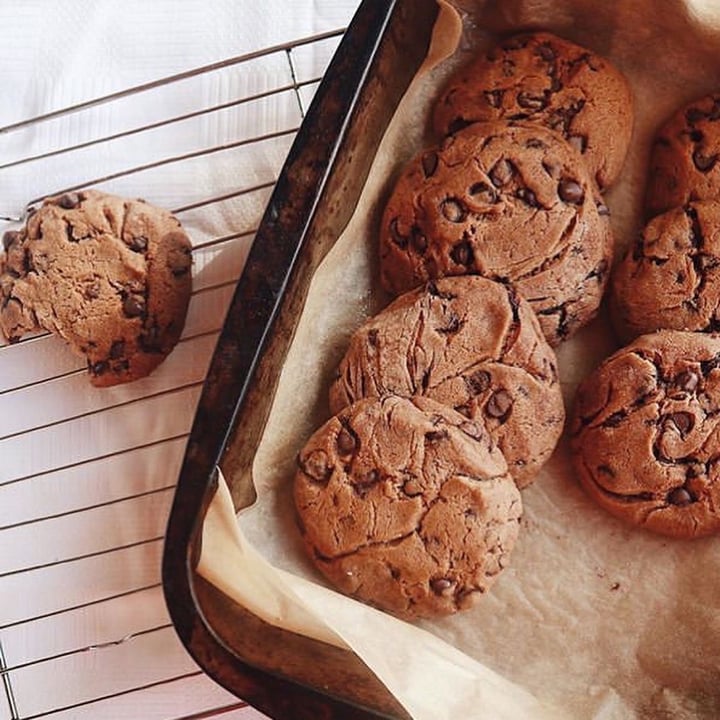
(87, 474)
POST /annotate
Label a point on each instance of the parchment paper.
(592, 619)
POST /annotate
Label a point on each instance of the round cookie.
(645, 434)
(111, 276)
(406, 505)
(684, 157)
(544, 79)
(472, 344)
(508, 203)
(670, 278)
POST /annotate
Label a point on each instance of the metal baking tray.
(283, 674)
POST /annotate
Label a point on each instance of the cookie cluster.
(661, 421)
(497, 246)
(110, 276)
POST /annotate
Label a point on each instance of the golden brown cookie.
(544, 79)
(110, 276)
(646, 433)
(670, 278)
(684, 157)
(474, 345)
(406, 505)
(509, 203)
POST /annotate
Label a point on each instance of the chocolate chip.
(697, 136)
(117, 349)
(579, 142)
(346, 442)
(137, 243)
(493, 98)
(527, 196)
(134, 305)
(501, 173)
(436, 435)
(373, 337)
(535, 144)
(9, 238)
(458, 124)
(433, 290)
(683, 421)
(362, 486)
(418, 241)
(508, 67)
(679, 496)
(603, 210)
(545, 52)
(92, 290)
(316, 466)
(452, 324)
(478, 382)
(531, 102)
(462, 254)
(453, 210)
(570, 191)
(99, 368)
(687, 380)
(465, 410)
(68, 201)
(483, 192)
(429, 163)
(704, 163)
(693, 115)
(440, 586)
(499, 405)
(150, 340)
(400, 240)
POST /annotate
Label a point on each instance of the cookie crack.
(558, 257)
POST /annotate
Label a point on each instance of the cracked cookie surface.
(670, 278)
(474, 345)
(407, 505)
(684, 159)
(645, 434)
(545, 79)
(111, 276)
(513, 204)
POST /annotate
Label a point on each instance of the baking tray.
(283, 674)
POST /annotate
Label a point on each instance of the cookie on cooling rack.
(474, 345)
(510, 203)
(646, 434)
(407, 505)
(541, 78)
(109, 275)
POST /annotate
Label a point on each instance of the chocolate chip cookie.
(407, 505)
(474, 345)
(684, 157)
(111, 276)
(646, 433)
(670, 278)
(509, 203)
(544, 79)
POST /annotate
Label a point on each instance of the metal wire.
(32, 480)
